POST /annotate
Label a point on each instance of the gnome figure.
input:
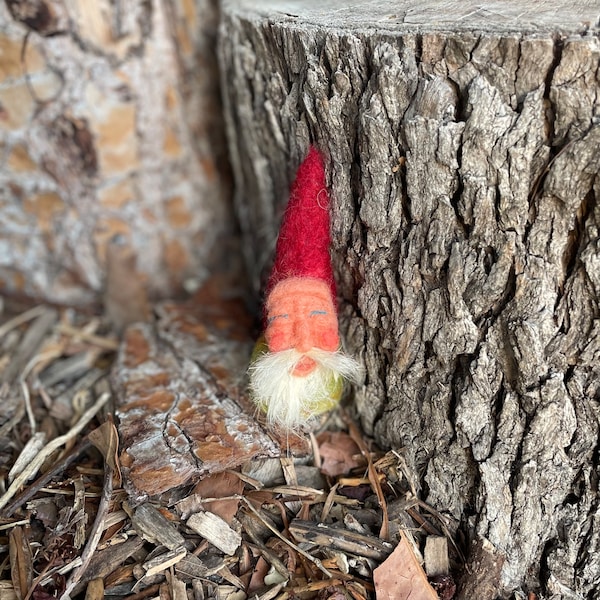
(297, 369)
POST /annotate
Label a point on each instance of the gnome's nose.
(303, 341)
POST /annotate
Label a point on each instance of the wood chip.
(216, 531)
(95, 589)
(154, 527)
(160, 563)
(192, 567)
(436, 556)
(105, 561)
(177, 587)
(79, 514)
(7, 591)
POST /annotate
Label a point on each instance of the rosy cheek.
(329, 339)
(277, 339)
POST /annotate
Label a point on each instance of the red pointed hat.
(304, 237)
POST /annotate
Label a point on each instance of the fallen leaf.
(357, 492)
(401, 577)
(106, 439)
(258, 576)
(220, 485)
(339, 453)
(21, 569)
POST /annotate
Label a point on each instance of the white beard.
(291, 400)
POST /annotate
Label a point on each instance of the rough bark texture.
(464, 151)
(109, 133)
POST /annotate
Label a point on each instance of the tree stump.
(463, 146)
(110, 138)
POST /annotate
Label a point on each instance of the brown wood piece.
(340, 539)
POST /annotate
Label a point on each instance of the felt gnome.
(297, 369)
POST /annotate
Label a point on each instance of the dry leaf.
(21, 570)
(106, 439)
(258, 576)
(401, 577)
(339, 453)
(220, 485)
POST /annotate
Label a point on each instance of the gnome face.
(301, 315)
(297, 372)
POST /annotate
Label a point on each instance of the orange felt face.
(301, 315)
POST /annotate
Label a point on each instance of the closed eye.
(317, 312)
(271, 319)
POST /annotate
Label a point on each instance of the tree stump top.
(431, 15)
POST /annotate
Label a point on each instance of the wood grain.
(407, 15)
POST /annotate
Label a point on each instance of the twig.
(14, 524)
(329, 502)
(38, 358)
(28, 315)
(384, 532)
(60, 569)
(105, 343)
(39, 484)
(291, 544)
(149, 591)
(56, 443)
(317, 461)
(95, 534)
(443, 525)
(28, 408)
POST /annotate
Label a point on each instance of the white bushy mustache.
(289, 400)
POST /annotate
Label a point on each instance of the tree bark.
(110, 133)
(463, 149)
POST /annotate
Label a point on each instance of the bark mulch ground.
(136, 468)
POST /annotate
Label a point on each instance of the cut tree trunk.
(111, 147)
(463, 150)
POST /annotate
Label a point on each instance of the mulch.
(315, 525)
